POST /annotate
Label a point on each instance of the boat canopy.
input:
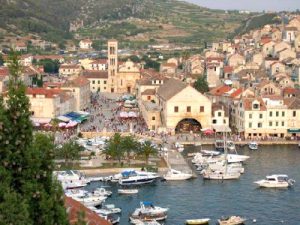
(128, 173)
(147, 203)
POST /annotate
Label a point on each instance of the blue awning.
(294, 130)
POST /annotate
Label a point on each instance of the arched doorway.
(187, 125)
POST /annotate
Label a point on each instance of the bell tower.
(112, 54)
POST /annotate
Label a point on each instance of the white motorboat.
(210, 153)
(144, 222)
(197, 221)
(71, 179)
(107, 210)
(76, 193)
(178, 145)
(232, 167)
(173, 175)
(276, 181)
(230, 146)
(220, 175)
(90, 200)
(132, 177)
(253, 145)
(232, 220)
(148, 211)
(128, 191)
(73, 184)
(113, 219)
(101, 192)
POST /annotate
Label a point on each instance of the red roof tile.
(236, 93)
(228, 69)
(218, 91)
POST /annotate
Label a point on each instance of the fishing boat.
(174, 175)
(197, 221)
(276, 181)
(253, 145)
(232, 220)
(132, 177)
(128, 191)
(219, 145)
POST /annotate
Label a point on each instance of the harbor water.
(213, 199)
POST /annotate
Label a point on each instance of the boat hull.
(130, 182)
(197, 221)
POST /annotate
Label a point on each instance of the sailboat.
(224, 174)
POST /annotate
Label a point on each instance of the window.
(276, 124)
(201, 108)
(260, 116)
(255, 106)
(148, 97)
(283, 113)
(153, 117)
(250, 125)
(271, 114)
(294, 113)
(98, 81)
(259, 125)
(188, 109)
(176, 109)
(93, 82)
(214, 121)
(277, 113)
(282, 123)
(219, 114)
(270, 124)
(250, 116)
(224, 121)
(104, 82)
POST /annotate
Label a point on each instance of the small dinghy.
(128, 191)
(197, 221)
(232, 220)
(142, 222)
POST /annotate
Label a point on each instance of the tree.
(201, 85)
(50, 66)
(129, 145)
(69, 151)
(147, 149)
(28, 193)
(114, 147)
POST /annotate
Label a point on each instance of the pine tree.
(28, 192)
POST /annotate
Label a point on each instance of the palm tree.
(129, 145)
(113, 147)
(69, 151)
(147, 149)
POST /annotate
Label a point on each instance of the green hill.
(132, 21)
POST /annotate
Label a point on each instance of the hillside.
(132, 21)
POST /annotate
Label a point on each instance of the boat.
(132, 177)
(299, 144)
(73, 184)
(230, 146)
(276, 181)
(220, 175)
(197, 221)
(101, 192)
(71, 179)
(113, 219)
(148, 211)
(90, 200)
(76, 193)
(220, 166)
(177, 175)
(144, 222)
(232, 220)
(128, 191)
(219, 145)
(253, 145)
(107, 210)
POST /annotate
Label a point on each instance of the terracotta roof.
(170, 88)
(69, 66)
(48, 93)
(289, 90)
(218, 91)
(90, 74)
(228, 69)
(236, 93)
(219, 106)
(247, 104)
(291, 29)
(149, 92)
(172, 65)
(4, 71)
(86, 41)
(74, 208)
(77, 82)
(292, 103)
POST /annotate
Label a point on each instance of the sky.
(251, 5)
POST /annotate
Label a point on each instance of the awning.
(221, 128)
(37, 120)
(63, 118)
(294, 130)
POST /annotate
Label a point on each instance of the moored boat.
(174, 175)
(253, 145)
(197, 221)
(128, 191)
(132, 177)
(219, 145)
(276, 181)
(144, 222)
(148, 211)
(232, 220)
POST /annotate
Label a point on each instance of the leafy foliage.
(147, 149)
(201, 85)
(28, 193)
(69, 151)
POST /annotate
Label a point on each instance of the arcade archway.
(187, 125)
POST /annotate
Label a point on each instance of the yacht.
(71, 179)
(177, 175)
(128, 191)
(220, 175)
(230, 146)
(276, 181)
(219, 145)
(232, 220)
(253, 145)
(231, 167)
(132, 177)
(106, 210)
(76, 193)
(90, 200)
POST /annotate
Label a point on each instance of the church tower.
(112, 53)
